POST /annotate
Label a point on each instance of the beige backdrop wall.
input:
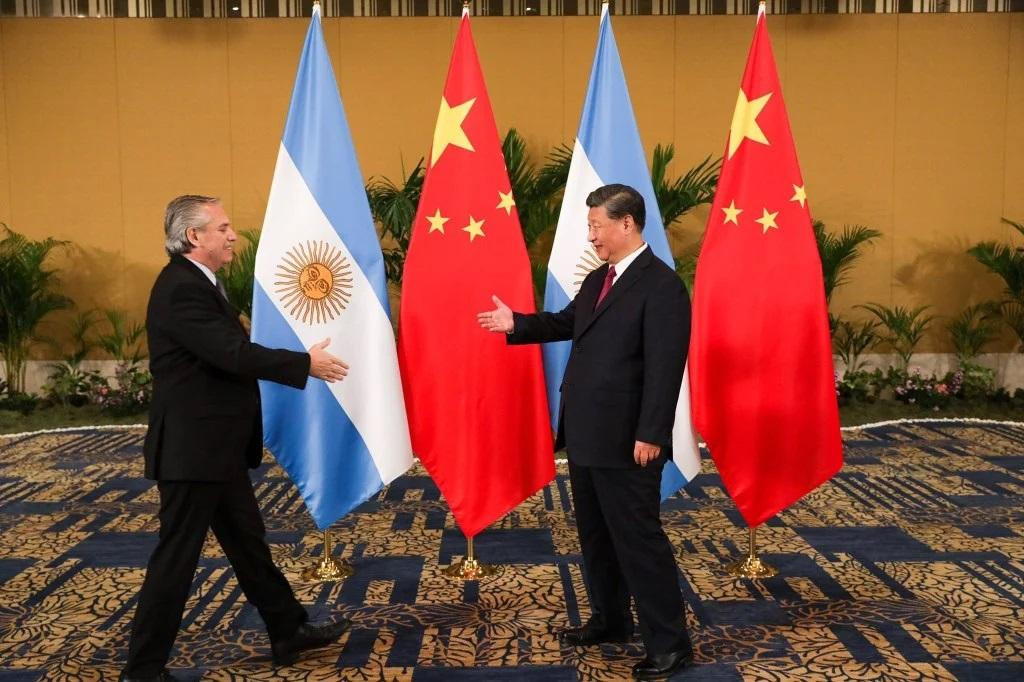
(911, 124)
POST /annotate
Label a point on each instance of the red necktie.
(608, 279)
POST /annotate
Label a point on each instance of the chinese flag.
(477, 407)
(763, 387)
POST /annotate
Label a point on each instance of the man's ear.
(628, 224)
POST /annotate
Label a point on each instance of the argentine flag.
(608, 150)
(320, 273)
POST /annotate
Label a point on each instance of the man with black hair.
(629, 325)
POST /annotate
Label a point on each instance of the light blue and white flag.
(608, 150)
(320, 273)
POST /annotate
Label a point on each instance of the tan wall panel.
(949, 153)
(175, 130)
(646, 46)
(522, 100)
(62, 134)
(579, 41)
(709, 56)
(262, 60)
(5, 173)
(391, 75)
(1013, 189)
(920, 142)
(843, 120)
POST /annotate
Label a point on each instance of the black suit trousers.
(187, 510)
(625, 551)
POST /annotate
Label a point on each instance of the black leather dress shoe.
(162, 676)
(588, 635)
(660, 666)
(308, 636)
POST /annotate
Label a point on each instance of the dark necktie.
(608, 280)
(221, 289)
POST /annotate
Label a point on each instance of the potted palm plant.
(29, 292)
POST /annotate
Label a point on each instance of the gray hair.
(188, 210)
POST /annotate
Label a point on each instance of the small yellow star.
(744, 121)
(475, 228)
(732, 213)
(436, 222)
(767, 221)
(448, 130)
(799, 194)
(506, 201)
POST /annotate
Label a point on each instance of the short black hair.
(620, 201)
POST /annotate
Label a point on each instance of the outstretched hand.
(323, 365)
(497, 320)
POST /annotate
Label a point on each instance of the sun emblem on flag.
(314, 282)
(587, 263)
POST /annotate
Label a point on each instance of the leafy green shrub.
(929, 392)
(904, 328)
(68, 383)
(130, 392)
(28, 293)
(71, 385)
(858, 386)
(1007, 262)
(850, 340)
(973, 329)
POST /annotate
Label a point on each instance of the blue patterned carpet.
(909, 565)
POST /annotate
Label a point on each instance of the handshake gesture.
(323, 365)
(497, 320)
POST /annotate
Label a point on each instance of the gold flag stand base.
(751, 567)
(328, 569)
(469, 568)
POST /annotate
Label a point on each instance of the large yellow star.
(744, 121)
(732, 213)
(449, 128)
(506, 201)
(436, 222)
(767, 221)
(799, 194)
(475, 228)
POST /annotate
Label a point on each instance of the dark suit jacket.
(205, 422)
(622, 381)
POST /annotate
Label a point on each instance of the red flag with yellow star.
(763, 387)
(477, 407)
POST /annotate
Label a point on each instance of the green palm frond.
(537, 191)
(393, 206)
(686, 264)
(29, 291)
(1012, 313)
(551, 177)
(678, 197)
(1005, 261)
(973, 329)
(851, 340)
(839, 252)
(122, 342)
(904, 327)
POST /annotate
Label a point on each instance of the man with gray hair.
(205, 431)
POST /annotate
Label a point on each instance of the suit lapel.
(225, 305)
(587, 297)
(632, 275)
